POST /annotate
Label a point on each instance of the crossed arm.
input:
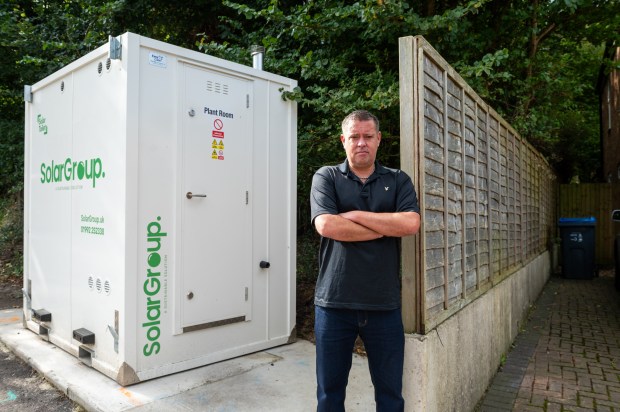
(357, 225)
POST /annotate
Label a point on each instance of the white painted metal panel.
(98, 204)
(48, 182)
(216, 228)
(113, 245)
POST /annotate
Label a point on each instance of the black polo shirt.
(360, 275)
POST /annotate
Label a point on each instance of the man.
(361, 210)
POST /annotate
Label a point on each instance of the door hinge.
(246, 294)
(247, 101)
(247, 197)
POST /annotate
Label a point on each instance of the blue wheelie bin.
(578, 241)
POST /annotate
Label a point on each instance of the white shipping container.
(160, 214)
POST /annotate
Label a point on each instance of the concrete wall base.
(450, 368)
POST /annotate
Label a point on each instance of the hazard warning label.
(218, 144)
(218, 125)
(217, 154)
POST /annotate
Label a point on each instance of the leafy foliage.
(535, 61)
(38, 37)
(11, 233)
(345, 56)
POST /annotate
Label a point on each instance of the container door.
(215, 231)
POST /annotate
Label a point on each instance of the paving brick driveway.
(568, 356)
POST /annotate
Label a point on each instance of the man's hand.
(339, 228)
(357, 226)
(396, 224)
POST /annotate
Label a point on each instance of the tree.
(38, 37)
(535, 62)
(345, 55)
(549, 54)
(532, 61)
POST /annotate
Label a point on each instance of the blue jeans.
(384, 340)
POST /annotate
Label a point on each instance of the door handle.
(189, 195)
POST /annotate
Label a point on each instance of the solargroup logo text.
(152, 287)
(70, 170)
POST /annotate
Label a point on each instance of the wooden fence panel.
(455, 188)
(471, 194)
(483, 191)
(494, 195)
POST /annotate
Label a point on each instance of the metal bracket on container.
(114, 53)
(115, 336)
(114, 331)
(28, 93)
(28, 300)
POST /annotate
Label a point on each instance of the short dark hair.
(359, 115)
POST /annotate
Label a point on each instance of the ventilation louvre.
(217, 87)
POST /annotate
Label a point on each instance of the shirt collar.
(345, 169)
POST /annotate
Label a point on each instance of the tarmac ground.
(277, 379)
(23, 389)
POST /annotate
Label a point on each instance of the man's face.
(361, 141)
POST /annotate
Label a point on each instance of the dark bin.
(577, 234)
